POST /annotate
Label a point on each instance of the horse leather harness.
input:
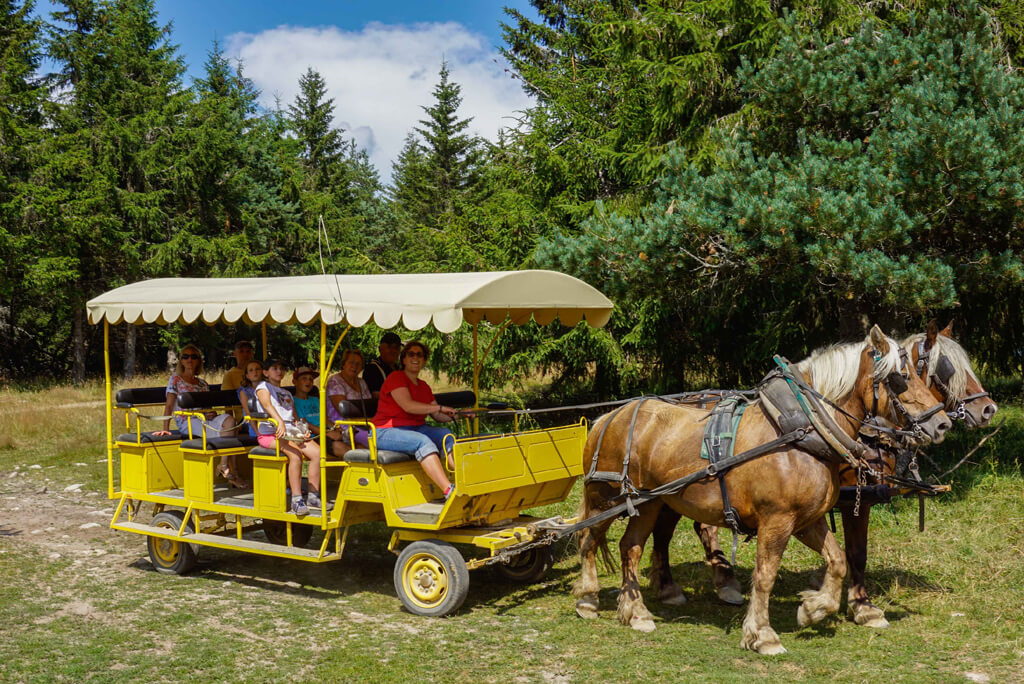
(794, 407)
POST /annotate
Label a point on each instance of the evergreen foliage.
(22, 97)
(743, 178)
(876, 178)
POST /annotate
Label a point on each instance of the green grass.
(85, 605)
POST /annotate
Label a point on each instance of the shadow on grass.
(703, 606)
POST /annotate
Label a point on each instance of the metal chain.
(860, 483)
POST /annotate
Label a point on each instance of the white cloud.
(382, 75)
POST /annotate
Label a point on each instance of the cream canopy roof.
(414, 300)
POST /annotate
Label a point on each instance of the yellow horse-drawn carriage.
(496, 476)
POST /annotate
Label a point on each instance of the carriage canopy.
(414, 300)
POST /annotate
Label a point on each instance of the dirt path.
(59, 524)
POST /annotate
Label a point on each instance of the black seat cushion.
(127, 397)
(215, 443)
(457, 399)
(149, 437)
(262, 451)
(350, 409)
(204, 400)
(383, 457)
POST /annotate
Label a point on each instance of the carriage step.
(223, 542)
(420, 513)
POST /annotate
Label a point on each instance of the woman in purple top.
(347, 385)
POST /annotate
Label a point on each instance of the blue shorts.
(419, 440)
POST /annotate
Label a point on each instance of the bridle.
(944, 371)
(895, 384)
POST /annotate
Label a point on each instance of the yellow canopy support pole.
(478, 364)
(325, 371)
(110, 409)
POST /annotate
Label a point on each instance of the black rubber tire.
(277, 533)
(171, 557)
(431, 578)
(527, 567)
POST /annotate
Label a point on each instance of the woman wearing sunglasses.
(186, 379)
(405, 402)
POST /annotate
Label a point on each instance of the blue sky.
(380, 59)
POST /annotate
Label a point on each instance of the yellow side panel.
(269, 474)
(150, 467)
(199, 477)
(512, 461)
(361, 482)
(408, 485)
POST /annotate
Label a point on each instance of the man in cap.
(378, 370)
(233, 378)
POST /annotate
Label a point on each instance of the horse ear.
(948, 330)
(878, 340)
(931, 331)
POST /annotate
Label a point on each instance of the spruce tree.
(229, 209)
(312, 119)
(451, 173)
(102, 173)
(22, 96)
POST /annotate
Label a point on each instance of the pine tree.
(878, 178)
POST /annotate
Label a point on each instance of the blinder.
(944, 370)
(897, 383)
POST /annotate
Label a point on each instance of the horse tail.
(598, 536)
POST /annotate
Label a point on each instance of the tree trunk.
(78, 345)
(130, 337)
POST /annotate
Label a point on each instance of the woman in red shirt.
(405, 402)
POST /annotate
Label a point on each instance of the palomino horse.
(946, 369)
(951, 382)
(782, 493)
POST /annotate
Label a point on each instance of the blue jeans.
(418, 440)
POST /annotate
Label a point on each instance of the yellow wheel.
(168, 556)
(431, 578)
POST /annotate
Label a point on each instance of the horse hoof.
(675, 600)
(586, 608)
(730, 595)
(642, 624)
(869, 615)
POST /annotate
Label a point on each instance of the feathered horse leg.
(819, 604)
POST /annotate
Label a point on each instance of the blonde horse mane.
(833, 370)
(951, 349)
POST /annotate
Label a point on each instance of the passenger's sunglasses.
(191, 356)
(414, 354)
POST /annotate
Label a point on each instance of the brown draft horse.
(963, 397)
(783, 493)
